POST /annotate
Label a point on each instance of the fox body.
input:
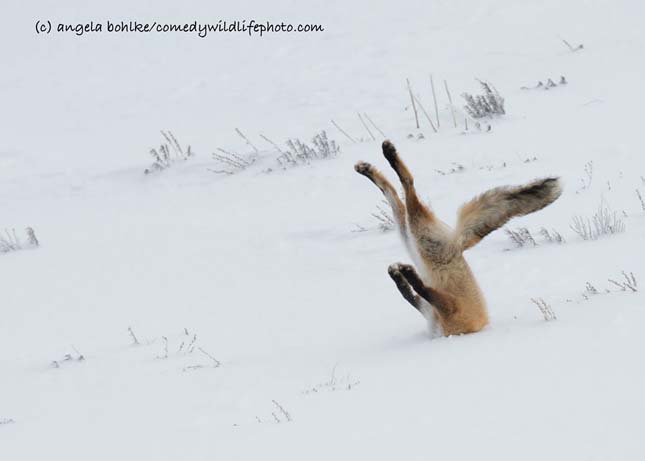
(442, 287)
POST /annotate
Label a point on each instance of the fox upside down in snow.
(454, 301)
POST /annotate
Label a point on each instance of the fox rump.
(442, 287)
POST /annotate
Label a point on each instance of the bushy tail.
(492, 209)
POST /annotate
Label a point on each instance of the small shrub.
(68, 358)
(640, 199)
(167, 153)
(300, 153)
(9, 240)
(231, 162)
(551, 237)
(628, 283)
(545, 309)
(383, 217)
(282, 414)
(521, 237)
(488, 104)
(549, 84)
(333, 384)
(385, 220)
(31, 237)
(603, 222)
(586, 181)
(592, 290)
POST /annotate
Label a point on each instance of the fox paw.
(394, 268)
(407, 270)
(363, 168)
(389, 151)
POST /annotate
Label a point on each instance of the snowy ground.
(319, 356)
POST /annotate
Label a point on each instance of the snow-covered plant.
(571, 47)
(628, 283)
(545, 309)
(167, 153)
(248, 143)
(9, 240)
(214, 363)
(31, 237)
(550, 83)
(640, 198)
(283, 415)
(300, 153)
(586, 181)
(484, 105)
(133, 337)
(457, 168)
(551, 237)
(68, 358)
(521, 237)
(589, 288)
(385, 220)
(231, 163)
(164, 340)
(333, 384)
(603, 222)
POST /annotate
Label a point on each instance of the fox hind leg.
(392, 156)
(417, 211)
(430, 234)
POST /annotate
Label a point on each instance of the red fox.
(444, 290)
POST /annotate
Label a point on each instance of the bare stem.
(426, 114)
(414, 106)
(366, 127)
(434, 99)
(374, 125)
(344, 132)
(284, 412)
(135, 341)
(452, 108)
(272, 143)
(255, 149)
(216, 363)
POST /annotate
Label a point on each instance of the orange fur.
(444, 289)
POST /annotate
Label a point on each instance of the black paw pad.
(389, 151)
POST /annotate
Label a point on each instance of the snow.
(265, 267)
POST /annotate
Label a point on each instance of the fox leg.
(398, 208)
(431, 236)
(445, 303)
(418, 213)
(404, 287)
